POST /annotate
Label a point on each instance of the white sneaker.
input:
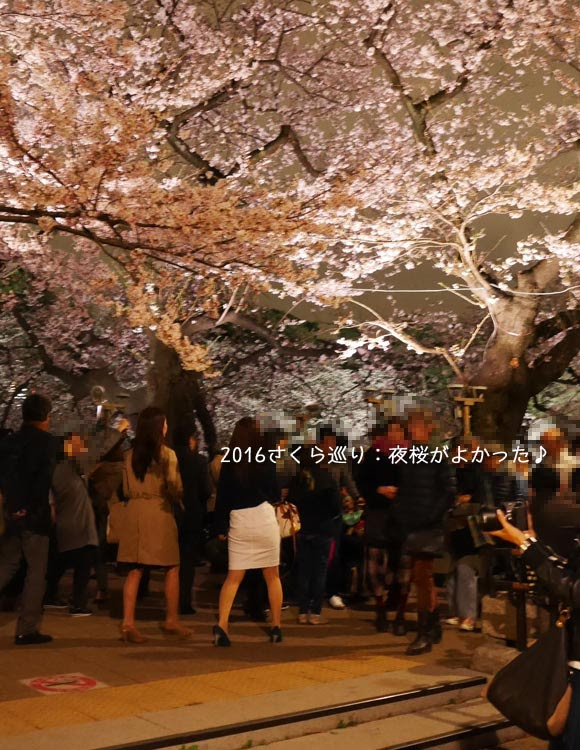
(317, 620)
(336, 602)
(455, 621)
(302, 619)
(468, 626)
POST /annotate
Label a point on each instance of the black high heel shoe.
(275, 635)
(220, 637)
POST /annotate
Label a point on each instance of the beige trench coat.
(148, 535)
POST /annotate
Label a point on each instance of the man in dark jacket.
(194, 472)
(425, 493)
(25, 478)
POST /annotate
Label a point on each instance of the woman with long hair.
(244, 513)
(152, 487)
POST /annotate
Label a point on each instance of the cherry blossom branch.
(398, 332)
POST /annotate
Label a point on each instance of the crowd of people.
(375, 527)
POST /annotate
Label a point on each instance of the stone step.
(470, 725)
(404, 695)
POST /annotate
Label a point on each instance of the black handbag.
(425, 543)
(533, 691)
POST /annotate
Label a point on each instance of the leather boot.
(436, 629)
(422, 643)
(381, 623)
(399, 626)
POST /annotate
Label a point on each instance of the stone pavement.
(167, 674)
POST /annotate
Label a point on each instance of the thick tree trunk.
(499, 418)
(504, 373)
(179, 393)
(510, 380)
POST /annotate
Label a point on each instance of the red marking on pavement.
(73, 682)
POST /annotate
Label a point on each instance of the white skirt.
(253, 538)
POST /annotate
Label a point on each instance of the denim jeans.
(312, 562)
(462, 590)
(334, 570)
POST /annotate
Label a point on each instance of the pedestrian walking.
(75, 526)
(316, 494)
(149, 539)
(26, 467)
(425, 493)
(244, 513)
(194, 473)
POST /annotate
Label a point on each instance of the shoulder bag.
(288, 519)
(533, 691)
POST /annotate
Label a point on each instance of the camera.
(515, 513)
(486, 520)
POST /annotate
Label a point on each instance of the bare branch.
(398, 332)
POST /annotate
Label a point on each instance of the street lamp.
(104, 407)
(383, 401)
(465, 397)
(305, 415)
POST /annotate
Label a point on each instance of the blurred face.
(328, 444)
(395, 433)
(554, 442)
(75, 446)
(420, 430)
(492, 463)
(192, 443)
(164, 428)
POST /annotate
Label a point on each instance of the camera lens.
(488, 521)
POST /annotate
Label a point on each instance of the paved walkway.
(166, 674)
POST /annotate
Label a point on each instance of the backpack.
(12, 475)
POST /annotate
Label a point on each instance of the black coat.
(470, 481)
(237, 493)
(561, 580)
(426, 492)
(194, 472)
(37, 452)
(377, 470)
(316, 494)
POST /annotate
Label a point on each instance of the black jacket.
(234, 493)
(426, 492)
(37, 459)
(470, 481)
(561, 580)
(196, 490)
(316, 494)
(377, 470)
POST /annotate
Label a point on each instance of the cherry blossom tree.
(165, 162)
